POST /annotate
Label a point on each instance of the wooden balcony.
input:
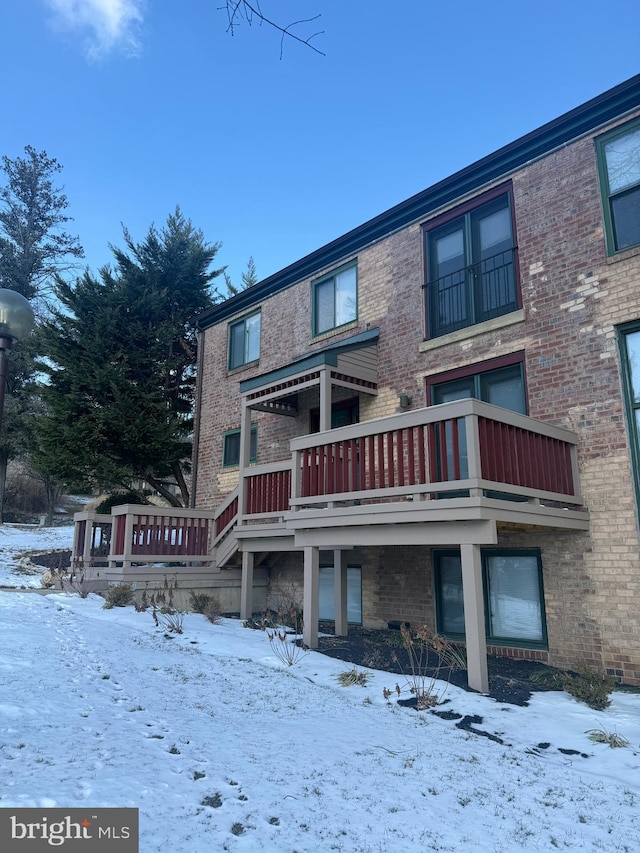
(149, 534)
(457, 462)
(464, 463)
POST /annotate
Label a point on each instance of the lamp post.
(16, 321)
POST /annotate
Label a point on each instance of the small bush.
(431, 658)
(615, 740)
(170, 620)
(285, 646)
(118, 596)
(551, 679)
(119, 499)
(352, 676)
(584, 684)
(267, 620)
(76, 583)
(213, 610)
(198, 601)
(288, 607)
(591, 687)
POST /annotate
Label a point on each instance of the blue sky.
(152, 103)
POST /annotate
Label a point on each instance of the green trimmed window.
(513, 596)
(619, 164)
(629, 342)
(335, 300)
(231, 447)
(244, 340)
(470, 265)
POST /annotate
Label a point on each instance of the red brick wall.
(573, 296)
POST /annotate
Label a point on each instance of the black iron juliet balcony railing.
(470, 295)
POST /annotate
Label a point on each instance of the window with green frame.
(629, 344)
(619, 165)
(335, 299)
(244, 341)
(231, 447)
(513, 596)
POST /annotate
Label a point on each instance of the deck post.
(245, 456)
(311, 597)
(246, 588)
(340, 594)
(325, 399)
(474, 460)
(474, 627)
(79, 540)
(127, 551)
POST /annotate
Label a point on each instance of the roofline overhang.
(614, 103)
(327, 356)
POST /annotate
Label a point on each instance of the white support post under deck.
(340, 594)
(246, 588)
(474, 627)
(311, 597)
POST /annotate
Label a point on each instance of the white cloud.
(105, 25)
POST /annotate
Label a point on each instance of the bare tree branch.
(243, 10)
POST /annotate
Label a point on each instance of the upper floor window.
(231, 447)
(619, 162)
(335, 300)
(471, 265)
(244, 340)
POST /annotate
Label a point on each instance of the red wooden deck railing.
(170, 536)
(160, 534)
(516, 456)
(268, 492)
(91, 539)
(465, 444)
(396, 457)
(225, 516)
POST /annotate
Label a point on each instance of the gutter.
(555, 134)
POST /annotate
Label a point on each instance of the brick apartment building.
(435, 417)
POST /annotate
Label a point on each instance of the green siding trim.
(603, 175)
(586, 118)
(629, 408)
(230, 433)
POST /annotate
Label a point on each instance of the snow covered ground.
(17, 541)
(223, 747)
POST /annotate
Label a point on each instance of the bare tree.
(239, 11)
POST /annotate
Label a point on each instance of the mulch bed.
(509, 678)
(52, 559)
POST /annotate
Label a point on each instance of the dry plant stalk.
(424, 673)
(285, 645)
